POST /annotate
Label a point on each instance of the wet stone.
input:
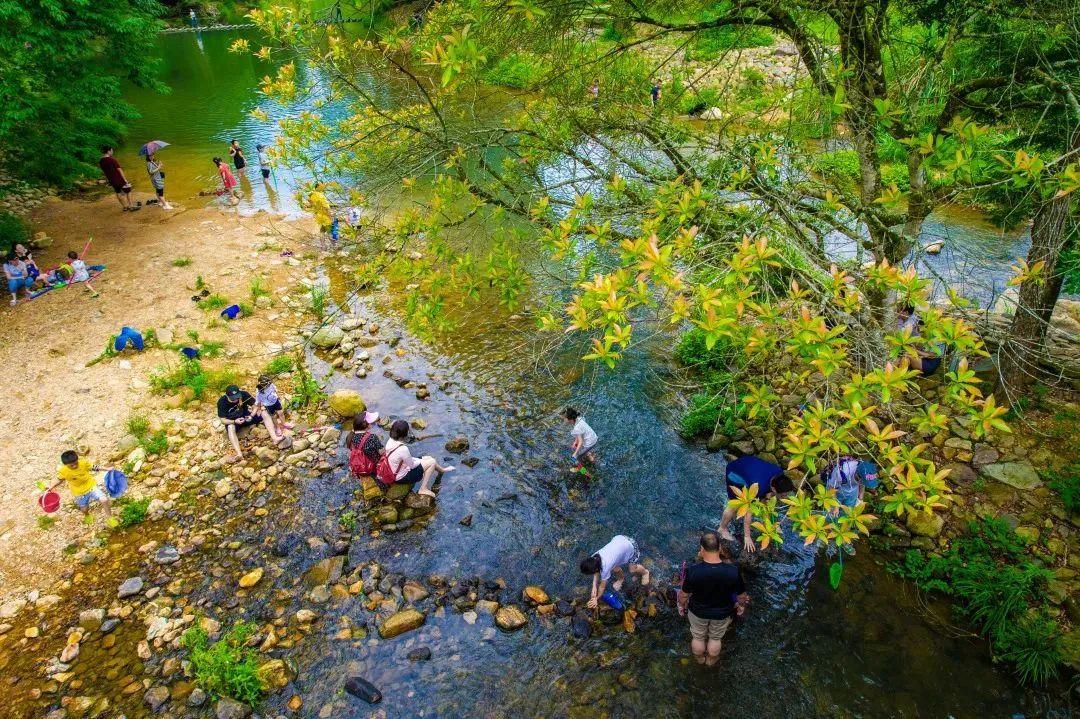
(457, 445)
(167, 555)
(231, 709)
(130, 587)
(420, 654)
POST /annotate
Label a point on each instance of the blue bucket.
(190, 352)
(612, 600)
(231, 312)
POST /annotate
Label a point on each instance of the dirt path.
(54, 401)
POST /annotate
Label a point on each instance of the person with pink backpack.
(398, 466)
(364, 445)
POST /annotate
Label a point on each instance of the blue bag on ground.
(190, 352)
(127, 336)
(115, 483)
(231, 312)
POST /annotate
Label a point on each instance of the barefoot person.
(712, 592)
(237, 408)
(78, 472)
(741, 474)
(406, 468)
(228, 181)
(584, 438)
(621, 551)
(114, 175)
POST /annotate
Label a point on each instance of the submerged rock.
(510, 619)
(580, 627)
(535, 595)
(457, 445)
(420, 654)
(227, 708)
(404, 621)
(130, 587)
(363, 689)
(251, 578)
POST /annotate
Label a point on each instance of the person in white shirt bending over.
(584, 437)
(408, 469)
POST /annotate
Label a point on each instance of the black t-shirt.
(712, 589)
(233, 410)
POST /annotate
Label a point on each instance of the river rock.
(251, 578)
(156, 696)
(130, 587)
(273, 675)
(328, 337)
(925, 524)
(266, 456)
(414, 592)
(325, 570)
(420, 503)
(420, 654)
(404, 621)
(1015, 474)
(223, 488)
(227, 708)
(346, 402)
(167, 555)
(363, 689)
(984, 456)
(91, 619)
(535, 595)
(197, 697)
(510, 619)
(10, 609)
(712, 114)
(580, 627)
(457, 445)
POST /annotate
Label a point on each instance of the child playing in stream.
(228, 180)
(585, 438)
(78, 472)
(266, 397)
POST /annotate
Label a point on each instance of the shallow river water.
(871, 649)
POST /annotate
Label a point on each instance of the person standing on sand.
(237, 155)
(114, 175)
(610, 559)
(156, 169)
(712, 592)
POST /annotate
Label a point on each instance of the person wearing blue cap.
(743, 473)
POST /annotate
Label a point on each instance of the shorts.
(413, 476)
(246, 423)
(274, 408)
(160, 191)
(708, 629)
(17, 283)
(94, 495)
(930, 365)
(265, 172)
(125, 188)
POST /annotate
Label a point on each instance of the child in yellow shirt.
(78, 473)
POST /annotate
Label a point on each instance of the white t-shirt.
(583, 430)
(79, 272)
(619, 551)
(401, 460)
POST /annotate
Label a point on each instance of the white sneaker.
(14, 302)
(166, 206)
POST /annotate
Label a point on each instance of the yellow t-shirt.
(79, 480)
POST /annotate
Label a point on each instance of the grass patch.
(999, 590)
(279, 365)
(45, 522)
(515, 70)
(181, 262)
(137, 425)
(317, 301)
(155, 443)
(1066, 483)
(132, 511)
(212, 302)
(226, 667)
(257, 288)
(191, 374)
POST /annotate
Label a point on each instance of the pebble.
(130, 587)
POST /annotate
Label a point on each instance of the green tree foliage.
(60, 77)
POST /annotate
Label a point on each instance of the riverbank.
(57, 402)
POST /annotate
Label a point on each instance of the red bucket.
(50, 502)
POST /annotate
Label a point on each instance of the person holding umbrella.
(156, 169)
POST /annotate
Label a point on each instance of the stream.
(872, 649)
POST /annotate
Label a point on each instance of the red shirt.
(227, 176)
(111, 168)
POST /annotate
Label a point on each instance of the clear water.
(872, 649)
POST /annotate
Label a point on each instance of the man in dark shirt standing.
(115, 177)
(712, 592)
(236, 409)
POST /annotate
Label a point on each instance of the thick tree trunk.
(1051, 234)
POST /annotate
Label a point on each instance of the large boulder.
(925, 524)
(346, 402)
(404, 621)
(1015, 474)
(328, 337)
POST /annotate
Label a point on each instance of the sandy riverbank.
(55, 401)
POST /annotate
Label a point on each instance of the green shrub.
(1067, 484)
(1070, 268)
(708, 412)
(317, 301)
(190, 373)
(514, 70)
(138, 425)
(999, 590)
(306, 391)
(212, 302)
(840, 167)
(156, 443)
(710, 44)
(692, 351)
(226, 667)
(181, 262)
(702, 99)
(279, 365)
(132, 511)
(13, 231)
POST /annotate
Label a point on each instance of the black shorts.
(930, 365)
(239, 164)
(413, 476)
(246, 423)
(265, 173)
(274, 408)
(160, 191)
(125, 188)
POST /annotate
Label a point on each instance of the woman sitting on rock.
(406, 468)
(363, 444)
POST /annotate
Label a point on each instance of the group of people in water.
(155, 169)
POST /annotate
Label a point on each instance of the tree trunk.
(1051, 234)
